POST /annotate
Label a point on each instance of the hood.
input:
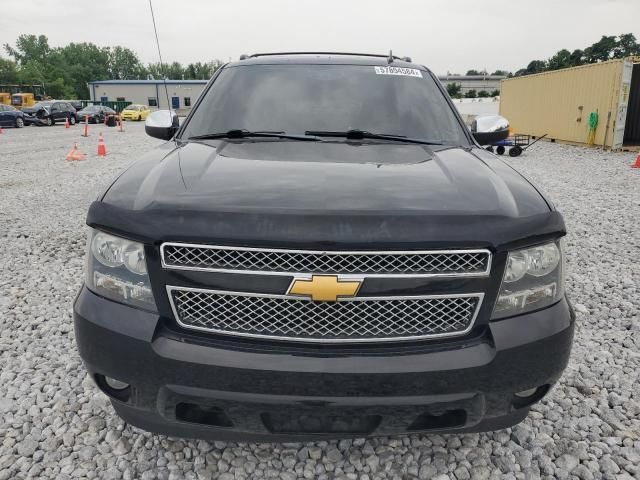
(323, 192)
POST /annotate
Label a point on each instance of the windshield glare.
(90, 108)
(297, 98)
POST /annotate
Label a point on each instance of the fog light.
(117, 384)
(526, 393)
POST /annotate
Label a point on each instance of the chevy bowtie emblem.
(324, 288)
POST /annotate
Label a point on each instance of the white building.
(182, 93)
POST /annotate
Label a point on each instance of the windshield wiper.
(363, 134)
(241, 133)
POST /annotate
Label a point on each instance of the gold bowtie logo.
(324, 288)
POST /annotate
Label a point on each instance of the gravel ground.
(55, 424)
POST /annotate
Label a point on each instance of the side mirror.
(489, 129)
(162, 124)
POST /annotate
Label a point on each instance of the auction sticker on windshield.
(405, 72)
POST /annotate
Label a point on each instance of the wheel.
(515, 151)
(49, 121)
(490, 149)
(500, 150)
(72, 120)
(19, 122)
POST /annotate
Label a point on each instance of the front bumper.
(203, 387)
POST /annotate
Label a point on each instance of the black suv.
(322, 249)
(50, 112)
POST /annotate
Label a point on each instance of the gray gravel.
(55, 424)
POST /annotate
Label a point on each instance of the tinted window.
(295, 98)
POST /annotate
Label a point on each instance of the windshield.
(91, 108)
(297, 98)
(42, 105)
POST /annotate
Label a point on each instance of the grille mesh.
(306, 320)
(229, 258)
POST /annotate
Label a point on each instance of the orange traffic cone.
(66, 123)
(120, 123)
(1, 131)
(637, 164)
(75, 154)
(102, 149)
(86, 126)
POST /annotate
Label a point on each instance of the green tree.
(84, 62)
(171, 71)
(502, 73)
(59, 89)
(31, 72)
(471, 94)
(536, 66)
(473, 72)
(8, 71)
(562, 59)
(626, 46)
(453, 89)
(30, 48)
(576, 58)
(602, 50)
(124, 64)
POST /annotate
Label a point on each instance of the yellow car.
(135, 112)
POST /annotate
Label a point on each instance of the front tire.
(72, 120)
(19, 122)
(49, 121)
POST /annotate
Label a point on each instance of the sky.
(445, 35)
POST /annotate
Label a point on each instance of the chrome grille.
(258, 260)
(350, 320)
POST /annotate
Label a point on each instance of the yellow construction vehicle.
(22, 100)
(21, 96)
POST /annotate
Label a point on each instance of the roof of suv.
(324, 58)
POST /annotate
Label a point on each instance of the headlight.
(533, 279)
(117, 269)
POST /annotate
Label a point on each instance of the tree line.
(607, 48)
(65, 71)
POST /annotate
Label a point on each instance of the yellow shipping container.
(559, 103)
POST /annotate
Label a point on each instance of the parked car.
(95, 113)
(135, 112)
(322, 249)
(50, 112)
(11, 117)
